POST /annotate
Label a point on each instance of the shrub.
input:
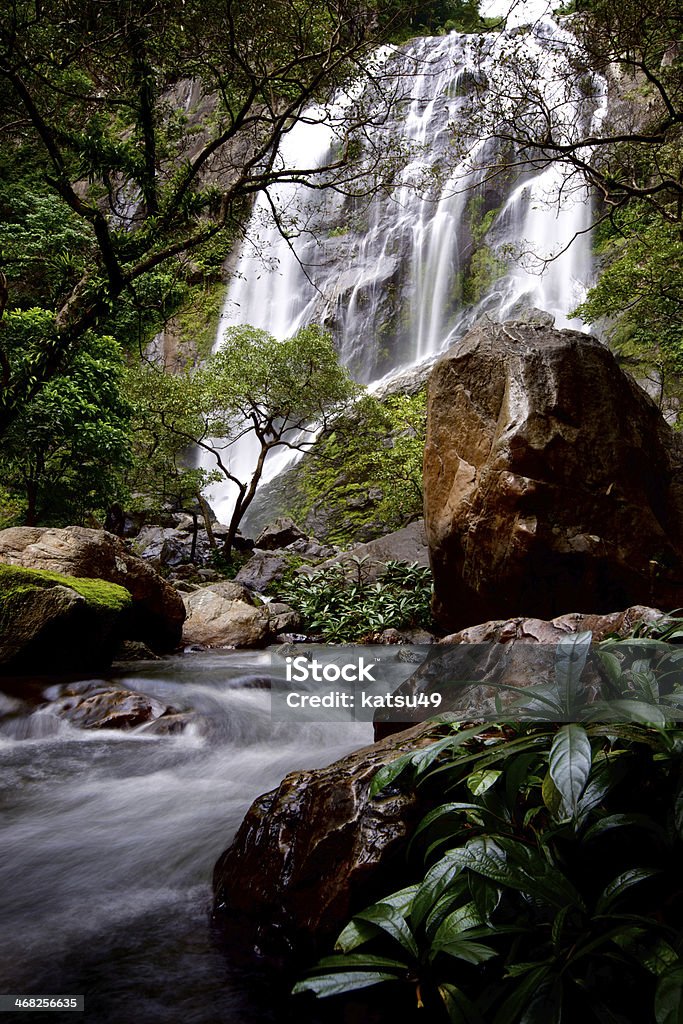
(340, 606)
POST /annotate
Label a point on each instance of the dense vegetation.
(348, 603)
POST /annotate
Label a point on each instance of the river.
(109, 841)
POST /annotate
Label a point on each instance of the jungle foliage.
(345, 603)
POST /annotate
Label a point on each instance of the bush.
(340, 607)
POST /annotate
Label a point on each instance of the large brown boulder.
(551, 480)
(55, 623)
(157, 612)
(315, 850)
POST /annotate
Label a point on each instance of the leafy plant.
(546, 888)
(341, 604)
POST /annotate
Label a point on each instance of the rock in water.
(157, 612)
(315, 850)
(551, 480)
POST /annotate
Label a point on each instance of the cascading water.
(400, 275)
(108, 839)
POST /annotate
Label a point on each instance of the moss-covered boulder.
(54, 623)
(157, 613)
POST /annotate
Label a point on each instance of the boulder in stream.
(157, 611)
(315, 850)
(224, 615)
(50, 622)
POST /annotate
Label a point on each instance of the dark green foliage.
(546, 888)
(340, 604)
(66, 457)
(640, 296)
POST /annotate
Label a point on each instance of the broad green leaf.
(614, 821)
(570, 765)
(389, 773)
(364, 960)
(458, 1007)
(614, 889)
(486, 896)
(570, 661)
(552, 798)
(355, 934)
(460, 920)
(437, 880)
(669, 997)
(463, 949)
(344, 981)
(479, 782)
(521, 995)
(391, 922)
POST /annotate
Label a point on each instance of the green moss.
(15, 581)
(198, 322)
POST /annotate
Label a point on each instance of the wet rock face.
(551, 480)
(157, 611)
(315, 850)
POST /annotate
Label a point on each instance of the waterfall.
(399, 276)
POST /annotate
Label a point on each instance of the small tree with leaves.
(278, 393)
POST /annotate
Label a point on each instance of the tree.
(534, 100)
(91, 100)
(255, 391)
(67, 453)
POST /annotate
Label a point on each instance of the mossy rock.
(53, 623)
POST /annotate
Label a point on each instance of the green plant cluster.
(639, 295)
(546, 880)
(341, 604)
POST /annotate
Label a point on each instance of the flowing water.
(109, 841)
(399, 275)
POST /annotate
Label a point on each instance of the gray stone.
(263, 567)
(222, 616)
(279, 534)
(406, 545)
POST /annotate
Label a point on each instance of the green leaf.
(570, 765)
(324, 985)
(437, 880)
(570, 661)
(459, 1008)
(346, 960)
(464, 949)
(391, 922)
(460, 920)
(669, 997)
(614, 889)
(389, 773)
(479, 782)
